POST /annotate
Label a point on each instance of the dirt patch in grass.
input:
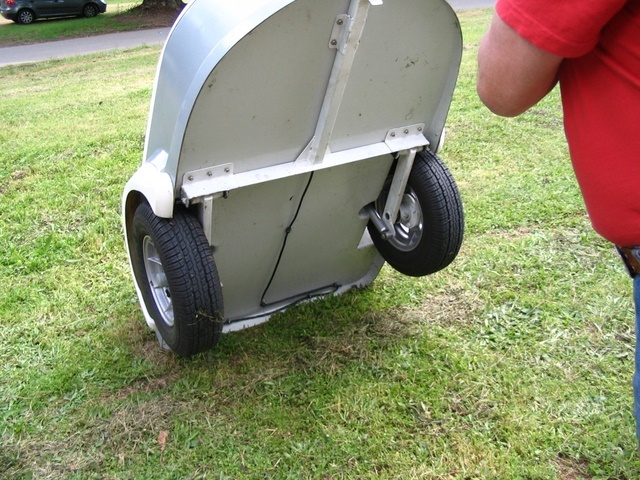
(150, 18)
(570, 469)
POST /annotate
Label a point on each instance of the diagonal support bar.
(346, 42)
(398, 186)
(384, 222)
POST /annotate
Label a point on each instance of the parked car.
(27, 11)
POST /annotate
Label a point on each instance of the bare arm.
(513, 74)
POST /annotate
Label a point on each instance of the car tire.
(177, 277)
(89, 10)
(25, 17)
(430, 224)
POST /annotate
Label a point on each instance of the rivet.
(210, 173)
(419, 129)
(340, 21)
(227, 169)
(393, 134)
(190, 178)
(334, 42)
(406, 130)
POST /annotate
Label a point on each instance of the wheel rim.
(26, 17)
(157, 280)
(89, 11)
(409, 223)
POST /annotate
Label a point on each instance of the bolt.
(227, 169)
(419, 129)
(393, 134)
(406, 131)
(210, 173)
(340, 21)
(191, 178)
(334, 42)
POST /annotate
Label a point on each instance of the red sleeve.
(567, 28)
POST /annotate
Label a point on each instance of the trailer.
(291, 149)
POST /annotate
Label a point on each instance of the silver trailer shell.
(279, 120)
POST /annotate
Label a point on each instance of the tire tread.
(192, 276)
(443, 220)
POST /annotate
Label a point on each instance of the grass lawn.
(513, 363)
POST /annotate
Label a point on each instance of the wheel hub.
(409, 226)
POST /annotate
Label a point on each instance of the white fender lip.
(154, 184)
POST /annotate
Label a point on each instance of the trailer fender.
(152, 184)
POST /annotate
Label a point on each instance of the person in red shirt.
(592, 49)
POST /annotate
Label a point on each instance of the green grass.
(513, 363)
(117, 18)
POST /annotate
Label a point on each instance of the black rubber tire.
(185, 275)
(25, 17)
(438, 237)
(89, 10)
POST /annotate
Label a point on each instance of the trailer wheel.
(176, 273)
(430, 223)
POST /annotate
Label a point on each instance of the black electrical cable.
(284, 243)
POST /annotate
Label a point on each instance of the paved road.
(81, 46)
(471, 4)
(114, 41)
